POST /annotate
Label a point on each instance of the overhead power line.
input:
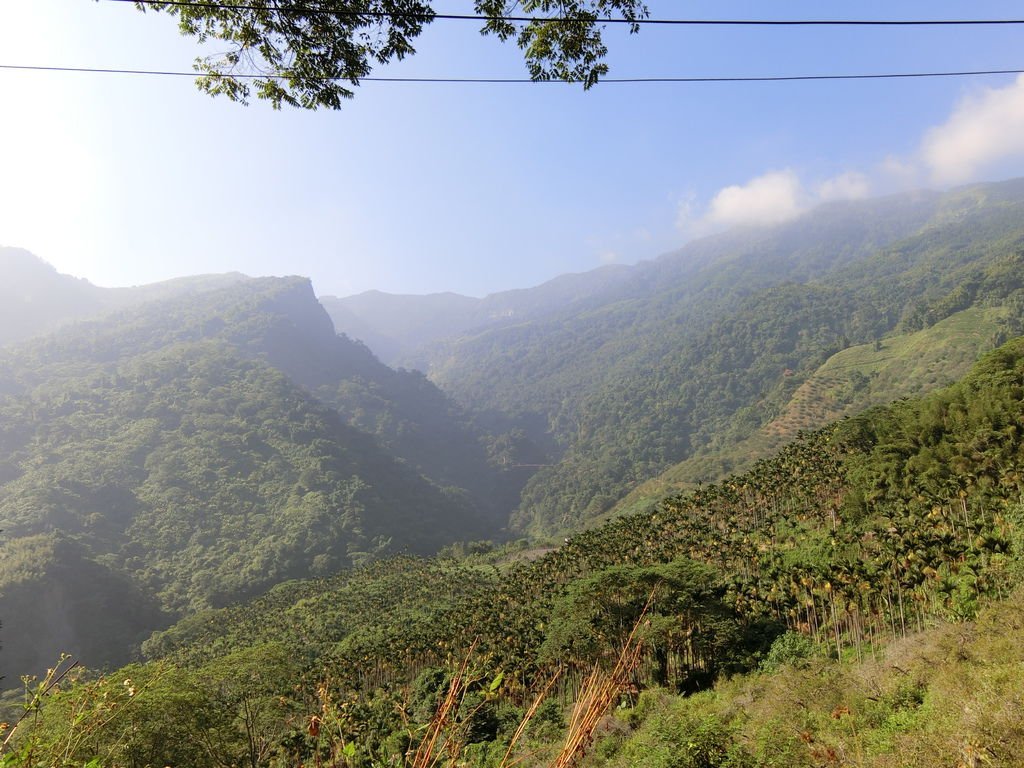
(526, 80)
(567, 19)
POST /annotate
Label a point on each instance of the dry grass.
(507, 761)
(599, 692)
(53, 679)
(428, 753)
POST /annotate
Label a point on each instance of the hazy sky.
(479, 188)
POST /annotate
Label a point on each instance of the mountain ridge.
(36, 299)
(372, 308)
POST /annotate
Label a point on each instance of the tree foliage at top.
(311, 54)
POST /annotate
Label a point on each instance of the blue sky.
(480, 188)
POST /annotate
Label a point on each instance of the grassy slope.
(952, 695)
(847, 383)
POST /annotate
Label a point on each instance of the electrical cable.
(526, 80)
(570, 20)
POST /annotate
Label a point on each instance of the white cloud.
(687, 213)
(773, 197)
(607, 257)
(895, 174)
(851, 185)
(984, 129)
(983, 132)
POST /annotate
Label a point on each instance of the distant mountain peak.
(18, 263)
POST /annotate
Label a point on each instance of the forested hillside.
(848, 383)
(695, 352)
(177, 456)
(862, 552)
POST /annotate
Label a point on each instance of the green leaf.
(496, 682)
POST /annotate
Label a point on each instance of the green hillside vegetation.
(862, 552)
(416, 422)
(166, 460)
(951, 695)
(899, 366)
(848, 383)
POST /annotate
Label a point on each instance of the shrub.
(791, 648)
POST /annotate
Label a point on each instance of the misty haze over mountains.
(399, 327)
(37, 298)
